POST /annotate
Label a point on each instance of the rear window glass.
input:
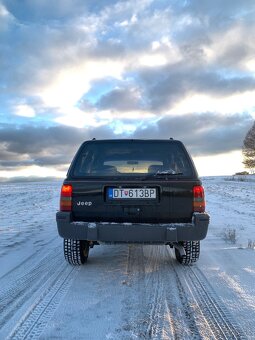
(131, 158)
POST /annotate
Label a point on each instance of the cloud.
(38, 145)
(24, 111)
(123, 68)
(43, 146)
(228, 8)
(121, 100)
(164, 86)
(164, 48)
(42, 10)
(203, 134)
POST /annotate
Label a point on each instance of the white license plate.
(134, 193)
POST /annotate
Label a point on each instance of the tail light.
(66, 198)
(198, 199)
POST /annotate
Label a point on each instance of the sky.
(71, 70)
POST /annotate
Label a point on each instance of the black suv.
(132, 191)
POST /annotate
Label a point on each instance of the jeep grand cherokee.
(132, 191)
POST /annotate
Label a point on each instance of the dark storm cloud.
(161, 87)
(28, 139)
(166, 85)
(38, 145)
(121, 100)
(52, 146)
(204, 134)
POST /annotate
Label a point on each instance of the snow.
(126, 291)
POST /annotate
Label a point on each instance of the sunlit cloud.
(24, 111)
(153, 60)
(3, 11)
(76, 118)
(226, 105)
(232, 48)
(250, 65)
(71, 84)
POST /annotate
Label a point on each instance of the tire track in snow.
(168, 300)
(31, 293)
(185, 321)
(221, 323)
(41, 311)
(207, 305)
(156, 321)
(163, 310)
(173, 317)
(31, 260)
(135, 301)
(16, 293)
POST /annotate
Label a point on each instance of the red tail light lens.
(66, 198)
(198, 199)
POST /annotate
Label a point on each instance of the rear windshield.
(132, 158)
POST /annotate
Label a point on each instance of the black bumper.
(133, 232)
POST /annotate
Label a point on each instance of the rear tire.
(192, 249)
(76, 251)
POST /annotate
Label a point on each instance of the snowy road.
(125, 291)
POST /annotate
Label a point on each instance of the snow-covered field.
(126, 291)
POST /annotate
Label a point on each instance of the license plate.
(134, 193)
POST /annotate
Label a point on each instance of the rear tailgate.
(160, 201)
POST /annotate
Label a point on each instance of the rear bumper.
(133, 232)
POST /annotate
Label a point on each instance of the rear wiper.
(167, 172)
(164, 173)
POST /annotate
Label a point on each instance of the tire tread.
(192, 249)
(74, 252)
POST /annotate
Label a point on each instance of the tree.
(249, 149)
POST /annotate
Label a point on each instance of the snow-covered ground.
(126, 291)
